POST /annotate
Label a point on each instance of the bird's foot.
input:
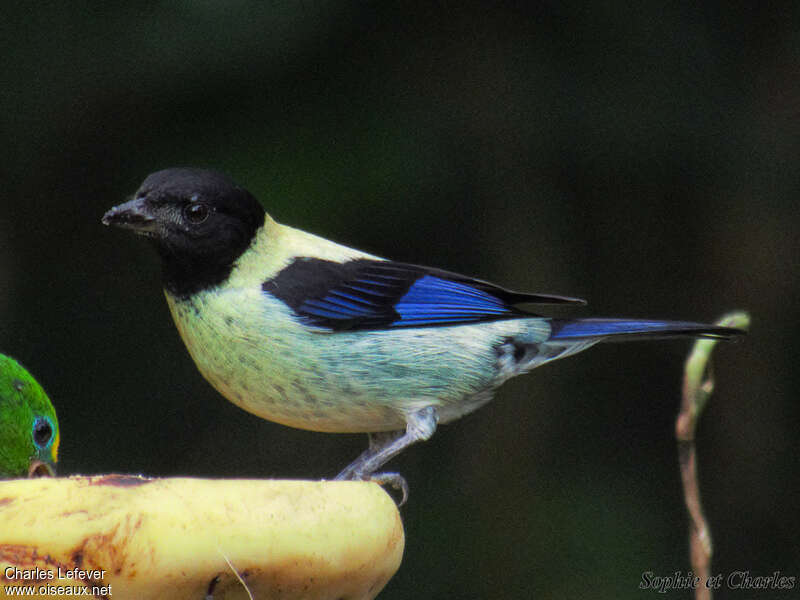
(420, 425)
(395, 480)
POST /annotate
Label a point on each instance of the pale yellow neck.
(277, 245)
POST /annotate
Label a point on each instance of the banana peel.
(119, 536)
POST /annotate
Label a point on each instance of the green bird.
(29, 434)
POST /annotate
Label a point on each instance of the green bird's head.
(29, 434)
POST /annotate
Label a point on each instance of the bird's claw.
(395, 480)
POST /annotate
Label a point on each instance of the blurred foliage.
(642, 156)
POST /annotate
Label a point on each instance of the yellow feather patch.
(54, 447)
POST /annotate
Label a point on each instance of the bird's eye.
(196, 212)
(42, 432)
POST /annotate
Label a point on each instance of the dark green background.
(643, 156)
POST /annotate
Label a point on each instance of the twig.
(698, 383)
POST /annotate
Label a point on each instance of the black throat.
(186, 273)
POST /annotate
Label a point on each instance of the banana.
(119, 536)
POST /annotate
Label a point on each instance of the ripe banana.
(119, 536)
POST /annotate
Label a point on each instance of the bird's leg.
(383, 446)
(379, 439)
(376, 442)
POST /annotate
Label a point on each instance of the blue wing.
(374, 294)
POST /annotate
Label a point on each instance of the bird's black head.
(200, 222)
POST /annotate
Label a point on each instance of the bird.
(29, 434)
(312, 334)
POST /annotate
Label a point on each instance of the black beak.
(134, 215)
(41, 469)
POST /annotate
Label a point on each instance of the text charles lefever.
(38, 574)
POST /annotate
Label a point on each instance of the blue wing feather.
(375, 294)
(431, 300)
(428, 301)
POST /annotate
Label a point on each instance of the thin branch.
(698, 383)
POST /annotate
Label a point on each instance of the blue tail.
(623, 329)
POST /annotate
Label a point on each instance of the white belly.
(254, 352)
